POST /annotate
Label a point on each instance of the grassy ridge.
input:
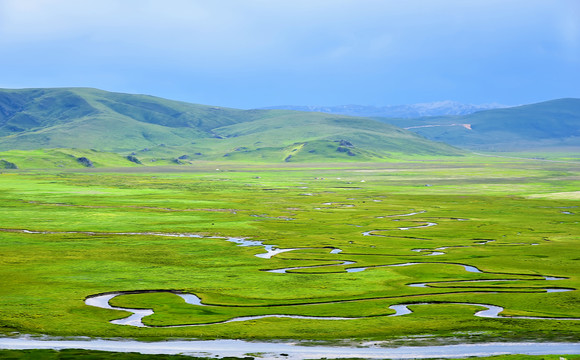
(91, 118)
(62, 158)
(163, 130)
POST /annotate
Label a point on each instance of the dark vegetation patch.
(84, 161)
(134, 159)
(7, 165)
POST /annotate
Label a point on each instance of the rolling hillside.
(79, 117)
(547, 125)
(156, 130)
(62, 158)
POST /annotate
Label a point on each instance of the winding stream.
(371, 232)
(490, 311)
(135, 319)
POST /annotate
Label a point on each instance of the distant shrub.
(134, 159)
(7, 165)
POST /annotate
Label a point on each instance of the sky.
(258, 53)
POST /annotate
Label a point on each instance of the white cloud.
(248, 29)
(364, 41)
(223, 30)
(569, 26)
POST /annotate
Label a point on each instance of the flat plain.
(448, 235)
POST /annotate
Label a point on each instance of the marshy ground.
(346, 243)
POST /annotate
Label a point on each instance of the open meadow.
(290, 251)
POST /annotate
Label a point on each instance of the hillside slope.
(62, 158)
(155, 129)
(545, 125)
(80, 117)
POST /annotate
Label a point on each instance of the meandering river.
(286, 350)
(489, 311)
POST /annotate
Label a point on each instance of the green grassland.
(67, 235)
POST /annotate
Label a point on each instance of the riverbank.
(292, 350)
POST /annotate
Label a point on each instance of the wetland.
(371, 254)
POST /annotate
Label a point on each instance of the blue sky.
(256, 53)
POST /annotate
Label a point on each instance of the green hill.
(545, 125)
(157, 130)
(91, 118)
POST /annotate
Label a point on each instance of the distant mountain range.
(146, 129)
(438, 108)
(549, 125)
(553, 125)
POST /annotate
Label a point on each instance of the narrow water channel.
(137, 315)
(489, 311)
